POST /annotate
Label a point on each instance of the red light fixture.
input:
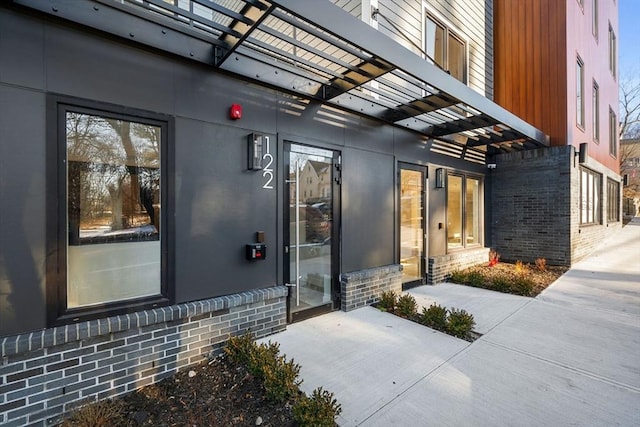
(235, 112)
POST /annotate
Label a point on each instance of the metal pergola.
(315, 50)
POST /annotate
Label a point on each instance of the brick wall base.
(440, 267)
(536, 206)
(47, 373)
(364, 287)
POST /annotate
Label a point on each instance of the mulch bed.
(541, 279)
(213, 393)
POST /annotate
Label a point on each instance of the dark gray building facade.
(173, 175)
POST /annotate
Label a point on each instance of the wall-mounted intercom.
(256, 251)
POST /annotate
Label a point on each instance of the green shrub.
(434, 317)
(388, 301)
(475, 279)
(281, 379)
(279, 376)
(460, 323)
(501, 283)
(241, 349)
(406, 306)
(522, 286)
(458, 276)
(319, 410)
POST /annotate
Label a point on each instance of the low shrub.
(320, 409)
(458, 276)
(388, 301)
(475, 279)
(520, 267)
(241, 349)
(460, 323)
(279, 376)
(501, 283)
(434, 317)
(105, 413)
(522, 286)
(470, 278)
(406, 306)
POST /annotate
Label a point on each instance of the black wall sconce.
(256, 148)
(583, 153)
(440, 178)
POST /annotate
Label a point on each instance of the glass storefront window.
(113, 209)
(454, 211)
(464, 226)
(590, 203)
(411, 225)
(472, 202)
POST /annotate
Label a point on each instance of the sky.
(629, 38)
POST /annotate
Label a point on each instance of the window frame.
(612, 52)
(613, 203)
(592, 193)
(594, 19)
(58, 312)
(613, 133)
(580, 92)
(595, 98)
(448, 33)
(465, 177)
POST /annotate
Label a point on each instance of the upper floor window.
(594, 18)
(446, 49)
(612, 52)
(580, 92)
(613, 133)
(596, 112)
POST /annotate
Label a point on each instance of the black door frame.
(423, 259)
(336, 179)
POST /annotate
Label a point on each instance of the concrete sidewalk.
(571, 356)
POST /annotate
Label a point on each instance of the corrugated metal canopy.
(316, 50)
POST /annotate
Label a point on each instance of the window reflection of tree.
(113, 179)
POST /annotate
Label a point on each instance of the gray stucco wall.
(219, 205)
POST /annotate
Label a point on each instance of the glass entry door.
(310, 226)
(412, 220)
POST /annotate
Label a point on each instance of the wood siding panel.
(530, 63)
(536, 46)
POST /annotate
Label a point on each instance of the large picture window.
(613, 201)
(445, 48)
(111, 229)
(463, 211)
(590, 201)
